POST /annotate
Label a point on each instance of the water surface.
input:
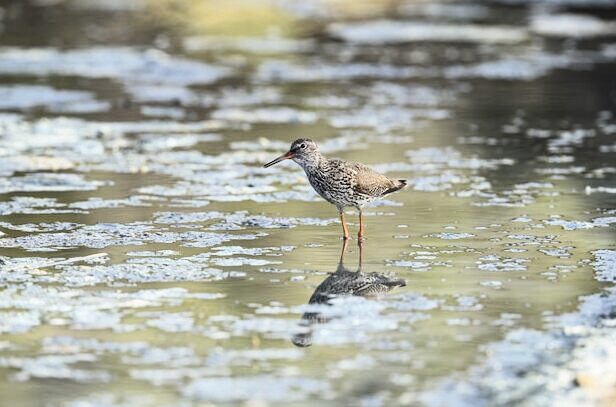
(135, 138)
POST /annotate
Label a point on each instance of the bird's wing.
(370, 182)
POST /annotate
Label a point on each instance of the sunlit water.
(201, 262)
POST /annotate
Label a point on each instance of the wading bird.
(341, 183)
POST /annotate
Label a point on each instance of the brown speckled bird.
(341, 183)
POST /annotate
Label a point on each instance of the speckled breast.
(335, 186)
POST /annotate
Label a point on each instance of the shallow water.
(144, 154)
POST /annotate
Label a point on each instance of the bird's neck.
(312, 163)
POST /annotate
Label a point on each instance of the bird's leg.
(345, 243)
(345, 231)
(360, 234)
(360, 245)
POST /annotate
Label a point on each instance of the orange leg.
(345, 243)
(345, 231)
(360, 234)
(360, 244)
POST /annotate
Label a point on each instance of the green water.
(501, 164)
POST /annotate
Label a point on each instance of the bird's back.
(347, 183)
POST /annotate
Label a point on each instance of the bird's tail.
(398, 185)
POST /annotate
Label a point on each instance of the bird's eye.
(303, 145)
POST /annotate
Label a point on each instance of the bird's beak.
(283, 157)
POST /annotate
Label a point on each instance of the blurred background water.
(134, 132)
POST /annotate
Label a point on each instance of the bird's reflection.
(343, 282)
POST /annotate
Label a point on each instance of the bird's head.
(303, 151)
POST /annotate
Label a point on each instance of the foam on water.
(260, 45)
(257, 388)
(38, 182)
(128, 65)
(110, 234)
(265, 115)
(278, 70)
(568, 25)
(448, 11)
(388, 31)
(540, 367)
(30, 96)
